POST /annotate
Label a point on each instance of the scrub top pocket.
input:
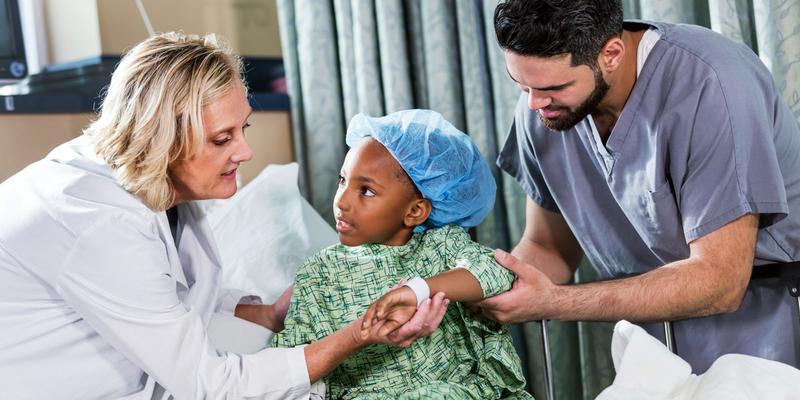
(661, 223)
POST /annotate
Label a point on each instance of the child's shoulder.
(447, 232)
(333, 251)
(338, 259)
(450, 235)
(324, 260)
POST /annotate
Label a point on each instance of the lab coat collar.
(199, 258)
(194, 246)
(172, 251)
(195, 228)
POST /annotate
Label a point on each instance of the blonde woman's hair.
(152, 113)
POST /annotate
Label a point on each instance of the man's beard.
(569, 118)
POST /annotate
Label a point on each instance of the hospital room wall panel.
(72, 30)
(250, 26)
(270, 138)
(27, 138)
(80, 29)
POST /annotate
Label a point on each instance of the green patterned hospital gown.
(468, 357)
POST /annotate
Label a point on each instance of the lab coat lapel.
(172, 252)
(195, 221)
(198, 255)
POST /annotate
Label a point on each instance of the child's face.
(374, 197)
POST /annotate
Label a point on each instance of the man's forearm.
(712, 280)
(683, 289)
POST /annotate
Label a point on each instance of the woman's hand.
(324, 355)
(270, 316)
(280, 308)
(423, 322)
(394, 309)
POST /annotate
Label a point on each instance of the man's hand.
(528, 299)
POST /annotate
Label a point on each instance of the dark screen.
(7, 39)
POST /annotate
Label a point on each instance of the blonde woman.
(108, 271)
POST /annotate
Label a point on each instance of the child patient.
(409, 187)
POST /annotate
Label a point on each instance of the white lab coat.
(97, 302)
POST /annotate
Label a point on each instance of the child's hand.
(393, 309)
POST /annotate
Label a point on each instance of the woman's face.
(212, 173)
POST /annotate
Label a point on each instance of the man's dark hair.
(546, 28)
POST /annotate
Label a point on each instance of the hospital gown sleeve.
(127, 294)
(462, 252)
(307, 320)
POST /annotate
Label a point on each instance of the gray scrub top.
(703, 139)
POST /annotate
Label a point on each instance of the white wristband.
(420, 288)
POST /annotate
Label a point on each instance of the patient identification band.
(420, 288)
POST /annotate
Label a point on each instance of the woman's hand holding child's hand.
(400, 321)
(394, 309)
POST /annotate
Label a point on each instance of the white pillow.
(266, 231)
(235, 335)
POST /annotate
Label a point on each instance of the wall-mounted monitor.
(12, 47)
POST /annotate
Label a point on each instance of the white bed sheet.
(647, 370)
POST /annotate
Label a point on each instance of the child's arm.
(474, 275)
(397, 306)
(457, 284)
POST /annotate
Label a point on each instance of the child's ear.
(418, 212)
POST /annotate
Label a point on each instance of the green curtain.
(343, 57)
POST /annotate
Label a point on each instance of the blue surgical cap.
(443, 163)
